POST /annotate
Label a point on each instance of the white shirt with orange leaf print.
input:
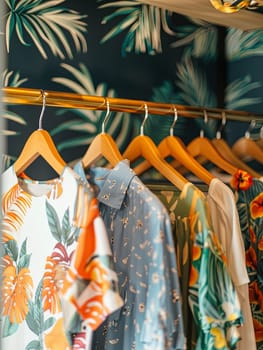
(43, 222)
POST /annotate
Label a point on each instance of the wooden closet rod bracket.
(28, 96)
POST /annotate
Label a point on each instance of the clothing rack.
(28, 96)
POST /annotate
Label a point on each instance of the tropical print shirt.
(248, 192)
(141, 240)
(211, 309)
(225, 220)
(48, 229)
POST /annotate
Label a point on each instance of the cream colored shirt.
(226, 224)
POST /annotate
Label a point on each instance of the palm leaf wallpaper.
(143, 23)
(87, 123)
(122, 49)
(40, 22)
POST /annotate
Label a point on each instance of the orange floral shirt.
(57, 281)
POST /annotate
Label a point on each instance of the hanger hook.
(250, 128)
(144, 120)
(174, 121)
(202, 132)
(106, 116)
(43, 109)
(223, 123)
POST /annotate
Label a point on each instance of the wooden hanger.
(226, 152)
(174, 146)
(260, 140)
(246, 148)
(143, 146)
(38, 144)
(103, 145)
(201, 146)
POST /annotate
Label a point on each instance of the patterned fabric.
(249, 199)
(90, 287)
(42, 223)
(207, 289)
(144, 258)
(226, 224)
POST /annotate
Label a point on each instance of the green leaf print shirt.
(211, 309)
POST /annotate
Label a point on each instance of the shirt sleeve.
(90, 289)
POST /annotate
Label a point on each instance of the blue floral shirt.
(140, 234)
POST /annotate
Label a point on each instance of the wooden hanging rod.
(27, 96)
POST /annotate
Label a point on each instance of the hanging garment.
(248, 193)
(144, 258)
(90, 286)
(209, 296)
(225, 221)
(41, 224)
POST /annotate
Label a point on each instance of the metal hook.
(250, 128)
(106, 117)
(43, 109)
(202, 132)
(174, 121)
(223, 123)
(144, 120)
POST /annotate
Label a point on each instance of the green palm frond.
(240, 44)
(158, 127)
(45, 22)
(185, 128)
(164, 93)
(195, 91)
(200, 39)
(88, 122)
(15, 118)
(143, 22)
(7, 160)
(11, 78)
(237, 89)
(194, 85)
(6, 133)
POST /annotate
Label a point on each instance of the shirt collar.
(116, 183)
(78, 168)
(113, 184)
